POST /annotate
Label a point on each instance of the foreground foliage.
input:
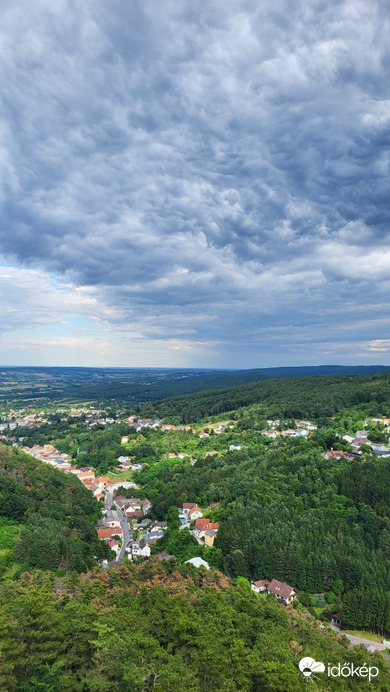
(158, 627)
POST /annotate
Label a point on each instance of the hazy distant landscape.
(140, 385)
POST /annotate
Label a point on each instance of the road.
(109, 499)
(126, 530)
(127, 534)
(355, 641)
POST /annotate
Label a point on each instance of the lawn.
(364, 635)
(121, 476)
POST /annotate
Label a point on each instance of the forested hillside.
(54, 512)
(312, 397)
(161, 627)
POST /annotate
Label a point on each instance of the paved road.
(126, 530)
(127, 534)
(109, 499)
(360, 640)
(367, 642)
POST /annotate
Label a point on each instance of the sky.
(194, 184)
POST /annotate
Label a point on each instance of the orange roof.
(106, 533)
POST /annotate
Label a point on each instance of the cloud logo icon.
(308, 666)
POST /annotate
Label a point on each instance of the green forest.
(160, 627)
(312, 397)
(47, 518)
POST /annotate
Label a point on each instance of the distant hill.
(293, 397)
(141, 385)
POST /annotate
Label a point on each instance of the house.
(85, 475)
(135, 508)
(108, 533)
(260, 586)
(145, 506)
(301, 433)
(122, 459)
(194, 513)
(114, 545)
(156, 525)
(202, 525)
(283, 592)
(198, 562)
(336, 454)
(203, 434)
(186, 507)
(124, 439)
(151, 538)
(209, 537)
(234, 447)
(348, 439)
(139, 549)
(163, 556)
(112, 519)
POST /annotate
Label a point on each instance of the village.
(127, 524)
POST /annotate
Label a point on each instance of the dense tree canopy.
(57, 513)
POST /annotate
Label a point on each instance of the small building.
(140, 549)
(234, 448)
(209, 537)
(108, 533)
(198, 562)
(112, 519)
(190, 511)
(260, 586)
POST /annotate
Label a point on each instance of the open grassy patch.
(364, 635)
(9, 533)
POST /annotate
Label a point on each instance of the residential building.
(260, 586)
(209, 537)
(284, 593)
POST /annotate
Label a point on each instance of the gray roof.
(112, 515)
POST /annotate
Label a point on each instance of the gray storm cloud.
(220, 170)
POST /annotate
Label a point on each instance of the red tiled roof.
(107, 533)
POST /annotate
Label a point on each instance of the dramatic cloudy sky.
(194, 183)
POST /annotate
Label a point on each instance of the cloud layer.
(214, 177)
